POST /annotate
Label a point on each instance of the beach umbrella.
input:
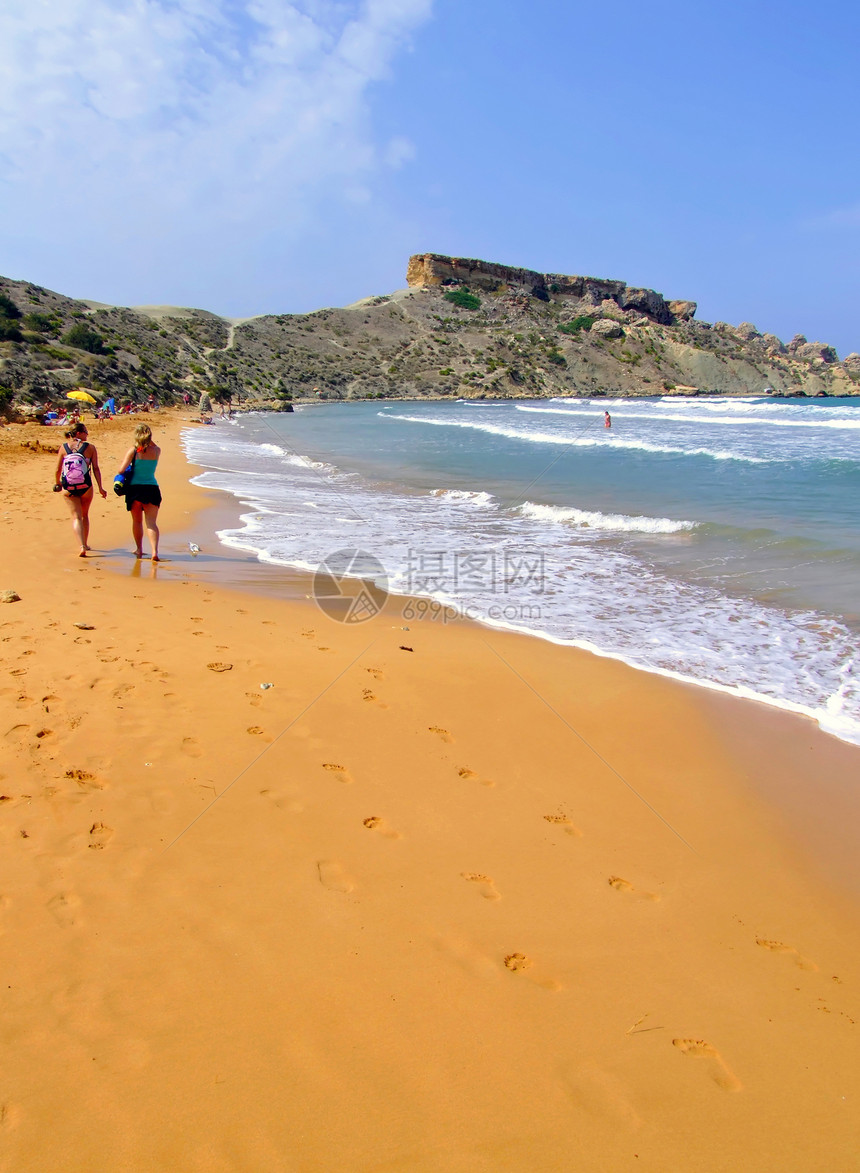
(84, 396)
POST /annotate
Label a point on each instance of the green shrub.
(582, 322)
(45, 323)
(9, 332)
(555, 356)
(82, 337)
(8, 309)
(463, 298)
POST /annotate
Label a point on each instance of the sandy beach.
(441, 898)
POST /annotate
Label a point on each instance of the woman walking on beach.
(77, 464)
(143, 496)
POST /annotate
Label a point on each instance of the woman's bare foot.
(138, 553)
(83, 552)
(155, 558)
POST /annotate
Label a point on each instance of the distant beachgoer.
(607, 420)
(77, 464)
(143, 496)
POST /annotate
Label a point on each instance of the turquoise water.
(715, 540)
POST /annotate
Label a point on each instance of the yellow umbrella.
(84, 396)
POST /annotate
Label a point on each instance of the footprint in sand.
(485, 886)
(519, 963)
(376, 673)
(255, 699)
(564, 822)
(369, 695)
(283, 801)
(440, 732)
(256, 730)
(620, 885)
(9, 1115)
(340, 772)
(309, 633)
(777, 947)
(333, 877)
(100, 834)
(191, 746)
(721, 1075)
(375, 823)
(64, 908)
(470, 775)
(85, 779)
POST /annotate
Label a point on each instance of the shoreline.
(451, 898)
(821, 829)
(831, 724)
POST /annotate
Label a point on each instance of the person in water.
(607, 420)
(143, 496)
(77, 464)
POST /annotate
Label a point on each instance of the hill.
(461, 328)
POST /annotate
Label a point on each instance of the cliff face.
(462, 328)
(430, 269)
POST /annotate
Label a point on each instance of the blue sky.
(249, 156)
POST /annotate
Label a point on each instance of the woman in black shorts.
(78, 488)
(143, 496)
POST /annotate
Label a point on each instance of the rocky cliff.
(462, 327)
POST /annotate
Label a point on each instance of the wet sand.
(440, 899)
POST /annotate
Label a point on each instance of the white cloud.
(399, 151)
(130, 115)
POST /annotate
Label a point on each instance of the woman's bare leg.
(137, 528)
(80, 522)
(150, 512)
(86, 502)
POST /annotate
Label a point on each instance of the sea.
(716, 541)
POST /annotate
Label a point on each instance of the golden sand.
(483, 904)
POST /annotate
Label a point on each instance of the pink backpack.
(75, 472)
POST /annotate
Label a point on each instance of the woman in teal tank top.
(143, 496)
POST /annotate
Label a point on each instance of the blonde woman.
(77, 464)
(143, 496)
